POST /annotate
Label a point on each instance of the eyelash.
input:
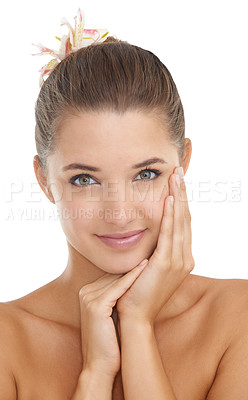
(155, 171)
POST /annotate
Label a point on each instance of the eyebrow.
(84, 167)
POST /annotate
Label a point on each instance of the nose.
(121, 204)
(119, 213)
(120, 207)
(120, 218)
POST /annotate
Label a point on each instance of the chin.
(119, 269)
(115, 271)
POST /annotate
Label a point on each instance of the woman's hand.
(100, 347)
(168, 266)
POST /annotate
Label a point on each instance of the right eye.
(82, 180)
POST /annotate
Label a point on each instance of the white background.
(204, 45)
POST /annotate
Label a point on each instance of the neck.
(77, 275)
(59, 299)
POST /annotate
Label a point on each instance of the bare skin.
(41, 332)
(45, 353)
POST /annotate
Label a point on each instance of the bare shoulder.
(10, 331)
(9, 349)
(226, 318)
(222, 290)
(226, 304)
(230, 294)
(8, 320)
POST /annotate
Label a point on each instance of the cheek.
(155, 198)
(160, 192)
(156, 190)
(76, 215)
(153, 213)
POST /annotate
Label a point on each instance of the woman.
(111, 154)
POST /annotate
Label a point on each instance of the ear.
(187, 154)
(41, 178)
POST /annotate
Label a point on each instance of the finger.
(99, 283)
(119, 287)
(187, 242)
(91, 293)
(186, 211)
(178, 233)
(165, 240)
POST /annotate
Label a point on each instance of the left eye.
(147, 172)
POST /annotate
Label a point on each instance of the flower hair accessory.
(76, 39)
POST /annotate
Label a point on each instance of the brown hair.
(109, 76)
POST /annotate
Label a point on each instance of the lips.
(121, 235)
(121, 243)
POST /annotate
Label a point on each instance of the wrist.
(130, 325)
(94, 385)
(96, 377)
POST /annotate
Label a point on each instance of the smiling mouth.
(124, 242)
(122, 234)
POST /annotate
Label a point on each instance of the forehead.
(111, 137)
(109, 131)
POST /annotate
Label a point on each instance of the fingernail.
(180, 172)
(144, 261)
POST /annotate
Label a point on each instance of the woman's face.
(117, 197)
